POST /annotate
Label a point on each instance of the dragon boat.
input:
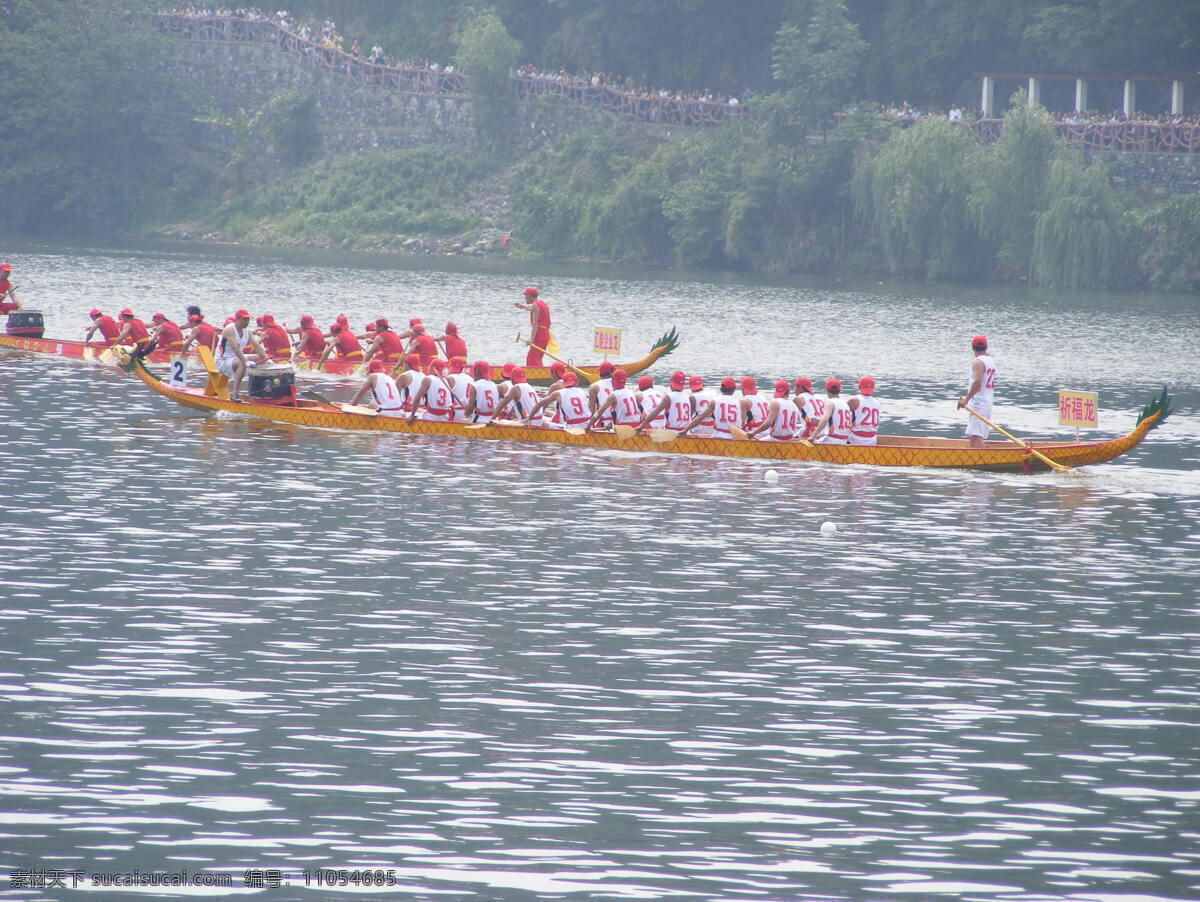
(533, 374)
(892, 451)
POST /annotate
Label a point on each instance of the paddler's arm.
(824, 419)
(659, 408)
(370, 351)
(511, 395)
(610, 401)
(545, 402)
(363, 389)
(767, 423)
(418, 398)
(472, 397)
(976, 383)
(700, 417)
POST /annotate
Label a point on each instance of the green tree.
(486, 55)
(913, 196)
(1169, 244)
(1077, 242)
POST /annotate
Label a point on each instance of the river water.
(502, 671)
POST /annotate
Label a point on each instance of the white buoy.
(828, 528)
(771, 477)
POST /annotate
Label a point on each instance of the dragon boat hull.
(534, 374)
(892, 451)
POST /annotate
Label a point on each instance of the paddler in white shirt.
(483, 396)
(384, 391)
(652, 403)
(622, 402)
(866, 413)
(702, 399)
(521, 398)
(435, 394)
(834, 426)
(724, 411)
(783, 416)
(675, 405)
(811, 407)
(599, 390)
(980, 392)
(754, 406)
(572, 402)
(460, 387)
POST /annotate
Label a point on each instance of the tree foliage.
(1077, 241)
(487, 53)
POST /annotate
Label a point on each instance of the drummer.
(8, 297)
(105, 325)
(231, 358)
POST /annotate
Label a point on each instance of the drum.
(26, 324)
(272, 382)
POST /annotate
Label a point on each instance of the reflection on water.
(507, 671)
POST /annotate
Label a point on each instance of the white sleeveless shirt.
(787, 418)
(573, 406)
(679, 410)
(651, 398)
(486, 396)
(866, 421)
(625, 407)
(987, 384)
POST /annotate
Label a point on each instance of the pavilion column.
(1130, 105)
(1080, 95)
(1176, 98)
(1035, 90)
(987, 103)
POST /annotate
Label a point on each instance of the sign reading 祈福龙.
(607, 341)
(1078, 408)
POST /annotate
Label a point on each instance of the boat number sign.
(1078, 408)
(178, 373)
(606, 341)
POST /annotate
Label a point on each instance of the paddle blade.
(476, 426)
(739, 434)
(361, 411)
(624, 433)
(658, 436)
(574, 430)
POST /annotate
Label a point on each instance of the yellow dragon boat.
(892, 451)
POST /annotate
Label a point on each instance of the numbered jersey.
(702, 399)
(987, 383)
(625, 407)
(757, 410)
(837, 430)
(726, 415)
(438, 400)
(486, 398)
(787, 420)
(679, 409)
(458, 388)
(866, 421)
(603, 390)
(651, 398)
(387, 395)
(573, 406)
(525, 401)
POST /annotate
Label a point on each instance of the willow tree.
(486, 55)
(1077, 240)
(913, 197)
(1010, 187)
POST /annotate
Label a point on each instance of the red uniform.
(455, 347)
(389, 348)
(169, 336)
(276, 343)
(108, 328)
(426, 348)
(6, 306)
(206, 335)
(539, 322)
(347, 346)
(138, 333)
(312, 342)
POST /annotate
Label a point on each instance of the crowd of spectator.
(626, 86)
(908, 114)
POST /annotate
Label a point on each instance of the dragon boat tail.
(892, 451)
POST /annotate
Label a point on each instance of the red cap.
(5, 267)
(507, 370)
(677, 379)
(803, 382)
(749, 386)
(558, 368)
(157, 316)
(644, 382)
(335, 328)
(242, 314)
(530, 292)
(866, 385)
(126, 312)
(483, 369)
(94, 313)
(437, 364)
(728, 384)
(228, 320)
(268, 319)
(413, 361)
(377, 366)
(518, 374)
(260, 320)
(457, 364)
(606, 368)
(341, 318)
(370, 327)
(194, 318)
(451, 329)
(418, 329)
(618, 378)
(381, 323)
(979, 342)
(569, 379)
(696, 383)
(306, 320)
(832, 385)
(414, 321)
(781, 388)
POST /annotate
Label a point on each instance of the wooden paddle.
(739, 434)
(623, 432)
(582, 374)
(355, 408)
(658, 436)
(1053, 464)
(316, 396)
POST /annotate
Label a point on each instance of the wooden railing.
(619, 102)
(1099, 137)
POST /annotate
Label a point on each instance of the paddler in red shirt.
(202, 334)
(539, 325)
(274, 339)
(423, 346)
(310, 343)
(387, 345)
(133, 330)
(166, 335)
(8, 297)
(343, 341)
(452, 343)
(105, 325)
